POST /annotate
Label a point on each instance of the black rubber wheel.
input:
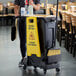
(57, 69)
(34, 67)
(45, 71)
(35, 70)
(24, 67)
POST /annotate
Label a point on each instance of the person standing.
(22, 24)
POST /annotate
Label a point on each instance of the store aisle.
(10, 57)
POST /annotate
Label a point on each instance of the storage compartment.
(47, 33)
(54, 56)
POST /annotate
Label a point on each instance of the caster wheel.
(34, 67)
(45, 71)
(35, 70)
(24, 67)
(57, 70)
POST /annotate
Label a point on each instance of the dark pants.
(22, 35)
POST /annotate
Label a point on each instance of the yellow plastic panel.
(33, 46)
(54, 52)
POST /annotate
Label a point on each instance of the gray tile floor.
(10, 57)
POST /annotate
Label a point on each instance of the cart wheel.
(35, 70)
(34, 67)
(24, 67)
(57, 70)
(45, 71)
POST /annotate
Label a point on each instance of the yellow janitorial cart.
(41, 42)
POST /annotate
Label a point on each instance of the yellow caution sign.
(33, 46)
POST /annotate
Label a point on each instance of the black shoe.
(21, 63)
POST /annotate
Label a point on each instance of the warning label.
(32, 44)
(31, 37)
(31, 27)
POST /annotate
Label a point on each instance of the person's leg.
(22, 35)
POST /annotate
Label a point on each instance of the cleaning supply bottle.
(28, 7)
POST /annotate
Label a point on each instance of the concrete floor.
(10, 57)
